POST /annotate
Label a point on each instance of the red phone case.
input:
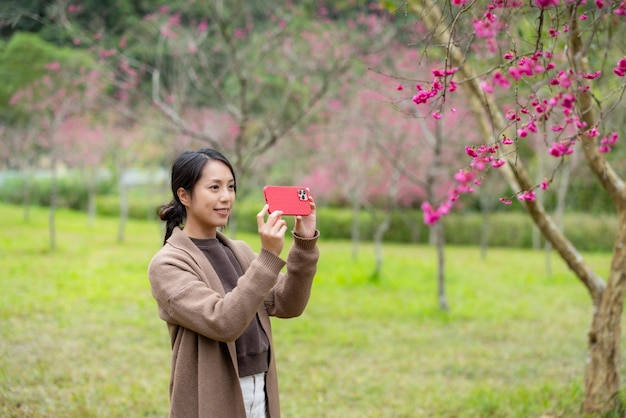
(291, 200)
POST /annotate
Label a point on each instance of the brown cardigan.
(204, 322)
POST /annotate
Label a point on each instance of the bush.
(504, 229)
(138, 208)
(71, 190)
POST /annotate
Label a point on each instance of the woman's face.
(211, 202)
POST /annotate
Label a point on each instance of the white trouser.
(253, 388)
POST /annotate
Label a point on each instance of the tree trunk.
(441, 264)
(53, 201)
(123, 192)
(379, 233)
(485, 228)
(602, 379)
(355, 234)
(383, 227)
(92, 180)
(27, 192)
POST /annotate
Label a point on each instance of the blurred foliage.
(22, 61)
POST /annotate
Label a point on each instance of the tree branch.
(492, 120)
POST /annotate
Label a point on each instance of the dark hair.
(186, 171)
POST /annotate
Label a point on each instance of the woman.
(216, 295)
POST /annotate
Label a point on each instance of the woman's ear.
(183, 196)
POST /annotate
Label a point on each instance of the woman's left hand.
(305, 226)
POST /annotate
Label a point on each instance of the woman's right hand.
(271, 231)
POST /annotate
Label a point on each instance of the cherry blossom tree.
(60, 95)
(19, 151)
(371, 155)
(553, 70)
(263, 75)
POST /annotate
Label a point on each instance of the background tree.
(50, 102)
(266, 73)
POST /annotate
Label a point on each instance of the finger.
(280, 224)
(275, 217)
(260, 217)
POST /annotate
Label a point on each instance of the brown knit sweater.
(253, 345)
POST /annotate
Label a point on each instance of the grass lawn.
(80, 335)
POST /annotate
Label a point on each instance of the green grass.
(80, 336)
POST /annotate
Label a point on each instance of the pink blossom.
(497, 163)
(507, 141)
(591, 76)
(487, 88)
(621, 9)
(620, 70)
(105, 53)
(471, 152)
(544, 4)
(239, 33)
(607, 142)
(423, 96)
(568, 101)
(399, 87)
(559, 149)
(544, 184)
(505, 201)
(528, 195)
(515, 73)
(501, 80)
(431, 216)
(464, 176)
(612, 138)
(479, 164)
(203, 26)
(563, 79)
(510, 56)
(436, 115)
(53, 66)
(484, 29)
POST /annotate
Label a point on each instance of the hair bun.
(173, 212)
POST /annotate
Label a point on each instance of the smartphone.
(291, 200)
